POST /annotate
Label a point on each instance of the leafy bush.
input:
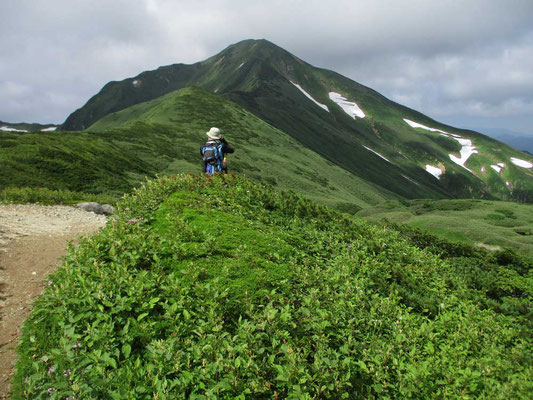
(48, 196)
(216, 287)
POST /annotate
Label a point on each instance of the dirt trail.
(32, 240)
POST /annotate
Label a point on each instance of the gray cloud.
(454, 60)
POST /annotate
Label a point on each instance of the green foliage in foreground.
(220, 288)
(47, 196)
(490, 224)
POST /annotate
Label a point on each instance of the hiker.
(214, 152)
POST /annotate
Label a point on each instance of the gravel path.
(32, 240)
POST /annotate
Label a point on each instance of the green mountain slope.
(492, 224)
(262, 152)
(381, 148)
(164, 136)
(216, 287)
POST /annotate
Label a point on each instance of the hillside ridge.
(218, 287)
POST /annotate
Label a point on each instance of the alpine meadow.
(356, 249)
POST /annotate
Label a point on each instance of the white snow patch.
(414, 124)
(8, 129)
(498, 167)
(376, 153)
(409, 179)
(240, 65)
(521, 163)
(467, 148)
(311, 97)
(349, 107)
(51, 129)
(436, 172)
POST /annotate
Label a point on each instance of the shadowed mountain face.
(348, 124)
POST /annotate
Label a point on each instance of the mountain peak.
(255, 49)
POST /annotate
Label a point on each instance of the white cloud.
(443, 58)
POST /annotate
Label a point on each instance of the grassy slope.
(383, 130)
(94, 162)
(495, 223)
(257, 75)
(218, 287)
(262, 152)
(262, 85)
(164, 136)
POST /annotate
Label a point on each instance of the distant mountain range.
(518, 140)
(26, 127)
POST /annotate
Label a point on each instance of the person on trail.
(214, 152)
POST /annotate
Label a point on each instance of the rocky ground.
(32, 240)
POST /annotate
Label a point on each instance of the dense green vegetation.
(164, 137)
(218, 287)
(26, 195)
(477, 222)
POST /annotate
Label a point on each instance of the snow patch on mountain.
(8, 129)
(349, 107)
(376, 153)
(51, 129)
(410, 180)
(311, 97)
(414, 124)
(436, 172)
(467, 148)
(498, 167)
(521, 163)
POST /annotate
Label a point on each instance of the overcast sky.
(467, 63)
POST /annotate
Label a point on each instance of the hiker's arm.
(227, 148)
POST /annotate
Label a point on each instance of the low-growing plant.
(218, 287)
(23, 195)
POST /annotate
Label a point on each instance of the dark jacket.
(226, 149)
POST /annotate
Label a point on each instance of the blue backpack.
(213, 156)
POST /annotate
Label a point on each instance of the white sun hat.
(214, 133)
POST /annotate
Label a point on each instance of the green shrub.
(48, 196)
(216, 287)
